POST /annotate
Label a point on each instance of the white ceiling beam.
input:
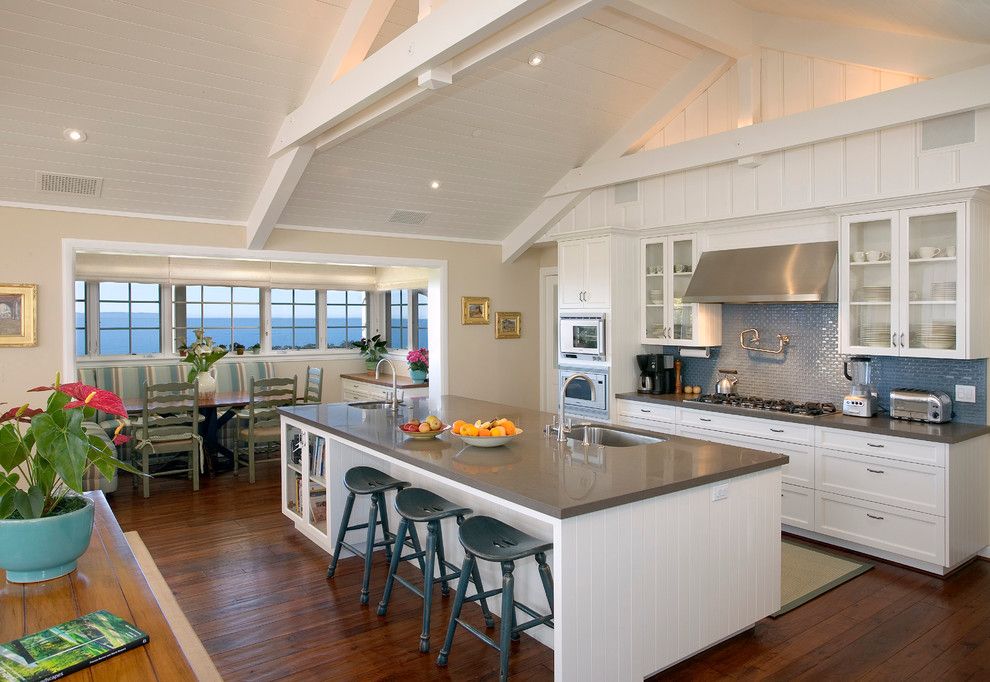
(719, 25)
(445, 34)
(357, 30)
(274, 195)
(919, 55)
(669, 101)
(426, 7)
(532, 27)
(937, 97)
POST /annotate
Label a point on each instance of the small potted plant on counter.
(419, 364)
(45, 521)
(373, 350)
(183, 349)
(238, 348)
(256, 348)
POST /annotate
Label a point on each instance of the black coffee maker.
(656, 373)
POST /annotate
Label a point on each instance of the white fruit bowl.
(488, 441)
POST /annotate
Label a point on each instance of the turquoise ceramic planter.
(418, 375)
(33, 550)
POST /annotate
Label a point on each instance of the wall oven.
(582, 337)
(578, 401)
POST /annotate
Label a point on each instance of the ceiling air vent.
(408, 217)
(80, 185)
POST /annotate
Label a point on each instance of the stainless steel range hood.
(794, 273)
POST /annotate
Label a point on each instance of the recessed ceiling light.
(536, 58)
(73, 135)
(435, 184)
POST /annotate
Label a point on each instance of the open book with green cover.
(66, 648)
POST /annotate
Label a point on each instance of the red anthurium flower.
(120, 439)
(91, 396)
(22, 414)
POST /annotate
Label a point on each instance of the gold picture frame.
(474, 309)
(18, 315)
(508, 325)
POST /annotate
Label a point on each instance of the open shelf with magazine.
(304, 486)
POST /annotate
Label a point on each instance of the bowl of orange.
(487, 434)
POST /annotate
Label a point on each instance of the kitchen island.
(659, 550)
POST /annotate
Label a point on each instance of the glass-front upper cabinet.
(902, 289)
(666, 267)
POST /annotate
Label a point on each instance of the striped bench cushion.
(236, 376)
(128, 381)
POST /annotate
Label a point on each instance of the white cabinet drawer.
(748, 426)
(800, 470)
(648, 411)
(659, 427)
(797, 506)
(888, 481)
(905, 449)
(901, 531)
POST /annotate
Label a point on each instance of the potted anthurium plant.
(419, 364)
(202, 356)
(373, 350)
(45, 521)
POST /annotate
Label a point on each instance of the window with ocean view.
(80, 318)
(130, 318)
(293, 319)
(347, 317)
(422, 309)
(227, 314)
(398, 318)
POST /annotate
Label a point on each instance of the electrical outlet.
(965, 394)
(720, 492)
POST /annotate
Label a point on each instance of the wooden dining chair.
(313, 392)
(259, 422)
(169, 423)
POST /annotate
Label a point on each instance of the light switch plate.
(720, 492)
(965, 394)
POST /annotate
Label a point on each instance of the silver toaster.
(923, 406)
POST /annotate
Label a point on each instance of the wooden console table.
(108, 577)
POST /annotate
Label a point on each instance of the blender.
(862, 398)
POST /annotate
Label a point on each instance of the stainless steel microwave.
(582, 336)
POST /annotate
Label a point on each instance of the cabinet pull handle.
(893, 340)
(878, 518)
(874, 471)
(704, 419)
(642, 410)
(902, 339)
(875, 445)
(777, 430)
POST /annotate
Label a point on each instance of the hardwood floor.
(256, 594)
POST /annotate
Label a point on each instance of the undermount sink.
(373, 405)
(610, 437)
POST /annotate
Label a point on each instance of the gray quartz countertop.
(560, 480)
(951, 432)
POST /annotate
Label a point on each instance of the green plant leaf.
(63, 445)
(44, 475)
(57, 402)
(12, 451)
(99, 447)
(8, 482)
(7, 505)
(29, 503)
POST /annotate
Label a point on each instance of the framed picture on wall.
(508, 325)
(474, 309)
(18, 314)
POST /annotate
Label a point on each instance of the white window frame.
(320, 337)
(231, 304)
(368, 295)
(93, 319)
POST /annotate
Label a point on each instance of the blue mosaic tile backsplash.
(811, 367)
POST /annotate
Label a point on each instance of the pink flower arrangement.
(418, 359)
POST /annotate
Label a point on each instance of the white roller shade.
(402, 278)
(315, 276)
(119, 268)
(245, 273)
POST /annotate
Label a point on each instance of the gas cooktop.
(768, 405)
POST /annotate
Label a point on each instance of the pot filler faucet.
(395, 389)
(562, 430)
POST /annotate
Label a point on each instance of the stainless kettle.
(727, 384)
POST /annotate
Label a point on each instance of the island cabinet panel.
(710, 567)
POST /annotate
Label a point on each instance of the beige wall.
(480, 366)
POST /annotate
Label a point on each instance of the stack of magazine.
(66, 648)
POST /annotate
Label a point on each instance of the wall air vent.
(627, 192)
(948, 131)
(404, 217)
(61, 183)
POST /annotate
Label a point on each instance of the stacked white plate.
(874, 294)
(935, 335)
(943, 291)
(874, 334)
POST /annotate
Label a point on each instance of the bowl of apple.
(431, 427)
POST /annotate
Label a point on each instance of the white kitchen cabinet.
(666, 267)
(906, 278)
(584, 273)
(304, 482)
(352, 390)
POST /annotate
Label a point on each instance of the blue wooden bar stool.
(417, 505)
(486, 538)
(367, 481)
